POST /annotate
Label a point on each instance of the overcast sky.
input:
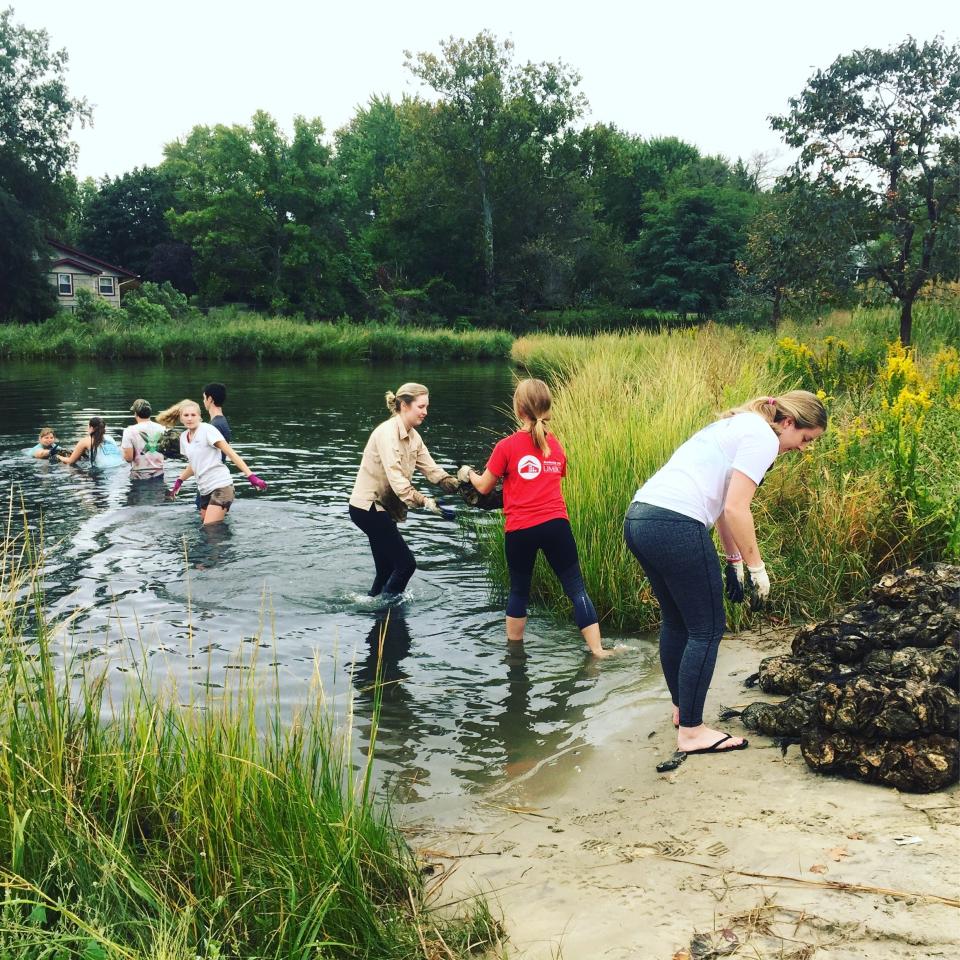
(709, 72)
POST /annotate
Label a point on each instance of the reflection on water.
(132, 576)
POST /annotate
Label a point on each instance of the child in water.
(47, 445)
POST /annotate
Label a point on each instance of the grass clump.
(154, 830)
(879, 491)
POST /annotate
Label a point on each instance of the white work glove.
(760, 580)
(463, 474)
(430, 504)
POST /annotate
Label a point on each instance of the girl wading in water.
(533, 463)
(710, 480)
(383, 493)
(202, 445)
(98, 445)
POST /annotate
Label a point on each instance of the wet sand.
(597, 855)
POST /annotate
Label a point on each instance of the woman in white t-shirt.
(201, 444)
(710, 480)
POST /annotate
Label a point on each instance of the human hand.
(175, 489)
(463, 474)
(760, 580)
(430, 504)
(256, 482)
(733, 577)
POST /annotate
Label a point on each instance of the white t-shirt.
(204, 457)
(143, 439)
(694, 480)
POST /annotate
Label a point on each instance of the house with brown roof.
(72, 270)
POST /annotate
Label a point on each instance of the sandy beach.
(599, 856)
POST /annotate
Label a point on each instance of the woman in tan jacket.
(383, 492)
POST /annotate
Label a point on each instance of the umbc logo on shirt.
(529, 467)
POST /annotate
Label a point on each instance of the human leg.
(643, 536)
(394, 562)
(520, 550)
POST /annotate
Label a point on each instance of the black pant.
(391, 556)
(555, 539)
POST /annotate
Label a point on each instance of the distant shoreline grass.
(173, 831)
(231, 336)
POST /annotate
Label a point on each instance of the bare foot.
(605, 652)
(703, 737)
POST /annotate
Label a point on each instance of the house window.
(106, 286)
(65, 284)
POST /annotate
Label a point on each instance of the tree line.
(489, 198)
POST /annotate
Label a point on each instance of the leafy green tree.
(264, 216)
(685, 258)
(885, 123)
(36, 114)
(496, 122)
(623, 169)
(801, 246)
(125, 219)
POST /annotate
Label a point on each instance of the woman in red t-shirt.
(532, 464)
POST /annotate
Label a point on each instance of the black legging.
(555, 539)
(392, 557)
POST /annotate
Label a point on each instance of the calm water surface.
(133, 578)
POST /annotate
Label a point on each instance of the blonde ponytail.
(803, 407)
(532, 402)
(171, 416)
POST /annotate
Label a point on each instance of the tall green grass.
(153, 830)
(230, 335)
(828, 521)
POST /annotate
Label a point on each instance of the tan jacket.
(391, 455)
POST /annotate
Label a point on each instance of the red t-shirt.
(531, 481)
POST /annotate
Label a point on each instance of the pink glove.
(175, 489)
(256, 482)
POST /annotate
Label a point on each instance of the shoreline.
(600, 856)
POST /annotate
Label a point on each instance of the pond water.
(133, 578)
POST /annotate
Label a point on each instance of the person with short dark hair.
(214, 397)
(140, 443)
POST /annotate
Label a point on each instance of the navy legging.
(678, 556)
(392, 557)
(555, 539)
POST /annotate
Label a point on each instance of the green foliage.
(884, 122)
(685, 259)
(154, 830)
(264, 215)
(36, 114)
(124, 220)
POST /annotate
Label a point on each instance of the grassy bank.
(229, 335)
(881, 490)
(181, 832)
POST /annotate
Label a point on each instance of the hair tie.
(772, 401)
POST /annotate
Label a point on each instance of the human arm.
(481, 482)
(387, 449)
(434, 473)
(737, 519)
(232, 454)
(83, 444)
